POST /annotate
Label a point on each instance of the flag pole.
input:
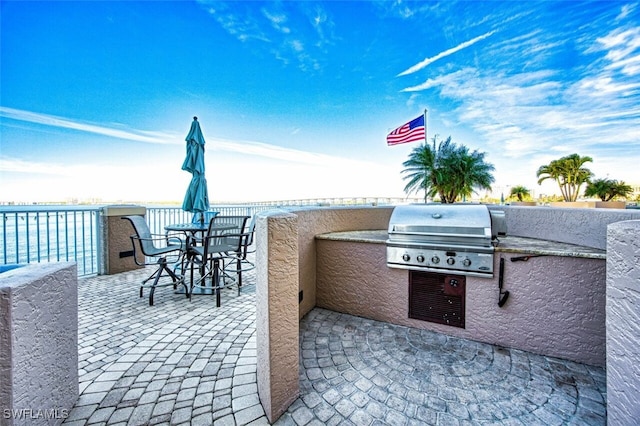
(426, 125)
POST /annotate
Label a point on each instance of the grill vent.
(437, 298)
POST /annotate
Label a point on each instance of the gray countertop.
(506, 244)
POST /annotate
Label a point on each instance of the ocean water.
(50, 236)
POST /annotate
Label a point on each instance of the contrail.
(446, 53)
(51, 120)
(244, 147)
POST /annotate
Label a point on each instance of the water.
(9, 267)
(41, 234)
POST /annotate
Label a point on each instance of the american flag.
(410, 132)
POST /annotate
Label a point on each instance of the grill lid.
(456, 238)
(461, 223)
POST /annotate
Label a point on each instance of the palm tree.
(419, 170)
(568, 173)
(519, 192)
(607, 189)
(447, 170)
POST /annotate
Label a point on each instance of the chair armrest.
(157, 245)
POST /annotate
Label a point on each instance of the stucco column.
(38, 343)
(623, 323)
(277, 322)
(117, 247)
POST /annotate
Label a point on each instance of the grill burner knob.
(450, 261)
(420, 258)
(435, 259)
(466, 262)
(406, 257)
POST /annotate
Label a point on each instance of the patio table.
(191, 230)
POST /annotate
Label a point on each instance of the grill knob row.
(435, 260)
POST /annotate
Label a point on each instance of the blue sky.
(295, 98)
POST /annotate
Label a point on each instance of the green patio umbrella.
(196, 200)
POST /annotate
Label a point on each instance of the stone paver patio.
(190, 363)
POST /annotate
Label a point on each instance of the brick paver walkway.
(190, 363)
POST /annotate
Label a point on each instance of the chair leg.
(155, 276)
(175, 279)
(163, 267)
(239, 270)
(155, 282)
(216, 281)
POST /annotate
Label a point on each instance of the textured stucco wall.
(39, 336)
(277, 321)
(116, 236)
(556, 305)
(320, 221)
(586, 227)
(559, 313)
(623, 323)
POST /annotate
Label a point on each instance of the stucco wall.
(577, 283)
(623, 323)
(117, 242)
(39, 343)
(556, 305)
(319, 221)
(586, 227)
(277, 312)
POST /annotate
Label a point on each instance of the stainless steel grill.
(451, 238)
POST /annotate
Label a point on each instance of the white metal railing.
(159, 217)
(48, 233)
(54, 233)
(34, 234)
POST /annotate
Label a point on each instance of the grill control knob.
(466, 262)
(420, 258)
(406, 257)
(450, 261)
(435, 259)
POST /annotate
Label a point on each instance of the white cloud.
(277, 20)
(252, 148)
(529, 117)
(444, 54)
(54, 121)
(293, 171)
(625, 11)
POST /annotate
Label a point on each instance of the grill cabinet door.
(437, 297)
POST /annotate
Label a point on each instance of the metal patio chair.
(224, 236)
(237, 260)
(165, 250)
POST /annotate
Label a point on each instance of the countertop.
(506, 244)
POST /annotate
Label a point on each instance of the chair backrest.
(143, 233)
(230, 236)
(248, 239)
(250, 231)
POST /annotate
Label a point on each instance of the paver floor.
(184, 362)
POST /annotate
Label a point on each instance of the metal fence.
(48, 233)
(35, 234)
(39, 234)
(159, 217)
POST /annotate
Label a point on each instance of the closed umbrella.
(196, 200)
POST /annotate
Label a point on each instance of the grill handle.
(502, 296)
